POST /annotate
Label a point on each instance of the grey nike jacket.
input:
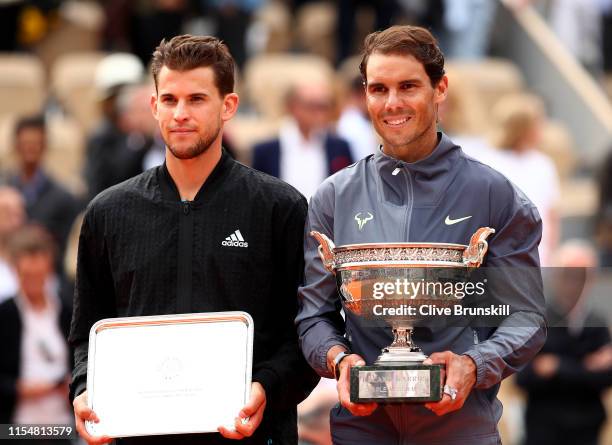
(445, 197)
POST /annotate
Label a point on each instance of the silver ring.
(450, 391)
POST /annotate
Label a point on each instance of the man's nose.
(394, 100)
(180, 111)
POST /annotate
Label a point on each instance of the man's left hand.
(460, 374)
(250, 415)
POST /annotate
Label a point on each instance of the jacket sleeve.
(93, 295)
(319, 323)
(512, 265)
(285, 375)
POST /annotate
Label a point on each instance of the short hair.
(37, 121)
(407, 41)
(187, 52)
(29, 240)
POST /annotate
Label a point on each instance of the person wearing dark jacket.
(157, 244)
(305, 151)
(565, 381)
(47, 202)
(34, 324)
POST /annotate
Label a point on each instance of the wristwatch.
(337, 360)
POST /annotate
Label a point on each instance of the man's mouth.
(181, 130)
(396, 121)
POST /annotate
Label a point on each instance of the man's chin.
(188, 152)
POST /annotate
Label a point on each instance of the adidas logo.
(235, 240)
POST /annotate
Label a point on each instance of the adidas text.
(234, 243)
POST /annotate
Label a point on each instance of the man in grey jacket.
(419, 187)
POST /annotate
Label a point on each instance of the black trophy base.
(396, 383)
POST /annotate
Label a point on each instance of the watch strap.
(337, 360)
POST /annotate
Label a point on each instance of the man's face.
(12, 211)
(311, 107)
(190, 110)
(401, 101)
(30, 145)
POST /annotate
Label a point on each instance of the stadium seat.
(22, 84)
(72, 83)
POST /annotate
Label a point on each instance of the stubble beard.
(200, 147)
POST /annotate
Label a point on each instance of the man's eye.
(377, 89)
(168, 100)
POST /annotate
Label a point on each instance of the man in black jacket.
(157, 243)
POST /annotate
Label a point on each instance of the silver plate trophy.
(169, 374)
(381, 282)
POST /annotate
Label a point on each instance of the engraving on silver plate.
(434, 254)
(394, 383)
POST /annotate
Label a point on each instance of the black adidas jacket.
(144, 252)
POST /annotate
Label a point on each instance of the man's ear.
(441, 90)
(230, 106)
(153, 103)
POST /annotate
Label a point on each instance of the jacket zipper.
(408, 218)
(185, 259)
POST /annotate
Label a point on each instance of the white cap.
(117, 69)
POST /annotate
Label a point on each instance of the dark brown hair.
(36, 121)
(31, 239)
(406, 40)
(187, 52)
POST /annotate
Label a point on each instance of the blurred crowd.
(76, 120)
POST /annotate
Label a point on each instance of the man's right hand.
(82, 412)
(344, 387)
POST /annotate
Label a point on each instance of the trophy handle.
(476, 251)
(326, 247)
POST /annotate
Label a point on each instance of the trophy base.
(396, 383)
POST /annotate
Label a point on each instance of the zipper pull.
(396, 171)
(186, 207)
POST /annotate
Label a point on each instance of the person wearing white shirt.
(305, 152)
(35, 359)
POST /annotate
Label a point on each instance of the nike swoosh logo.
(449, 222)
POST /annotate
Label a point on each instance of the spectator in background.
(47, 202)
(109, 159)
(467, 27)
(463, 117)
(143, 140)
(517, 120)
(578, 25)
(10, 10)
(12, 217)
(354, 124)
(384, 11)
(565, 380)
(305, 152)
(138, 26)
(232, 19)
(34, 324)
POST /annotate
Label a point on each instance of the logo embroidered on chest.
(449, 222)
(362, 219)
(235, 240)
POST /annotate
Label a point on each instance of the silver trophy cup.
(364, 271)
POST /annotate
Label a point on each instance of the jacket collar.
(170, 192)
(439, 161)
